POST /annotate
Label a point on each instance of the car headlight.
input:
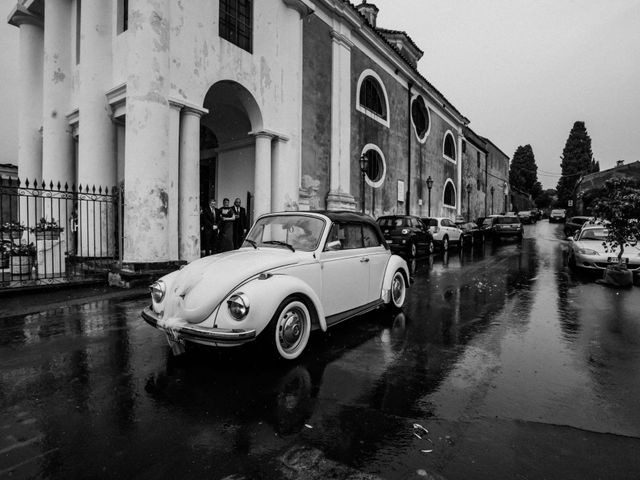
(405, 231)
(587, 251)
(238, 305)
(158, 289)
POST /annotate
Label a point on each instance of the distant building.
(272, 101)
(596, 180)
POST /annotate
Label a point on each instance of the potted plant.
(47, 229)
(22, 257)
(5, 253)
(11, 230)
(618, 205)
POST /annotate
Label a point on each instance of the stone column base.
(341, 201)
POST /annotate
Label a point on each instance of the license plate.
(615, 260)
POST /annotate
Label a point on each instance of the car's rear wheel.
(412, 249)
(398, 290)
(290, 328)
(430, 247)
(461, 243)
(445, 243)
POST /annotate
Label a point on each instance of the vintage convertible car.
(295, 272)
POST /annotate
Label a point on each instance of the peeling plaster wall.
(316, 114)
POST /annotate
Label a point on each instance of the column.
(189, 189)
(30, 94)
(262, 172)
(340, 196)
(96, 142)
(57, 143)
(148, 147)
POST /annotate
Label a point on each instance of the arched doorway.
(227, 146)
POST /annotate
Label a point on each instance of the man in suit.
(240, 223)
(210, 228)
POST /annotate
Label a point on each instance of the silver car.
(588, 250)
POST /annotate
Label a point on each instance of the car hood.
(199, 287)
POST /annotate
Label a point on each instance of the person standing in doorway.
(211, 228)
(227, 220)
(239, 224)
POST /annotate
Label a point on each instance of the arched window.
(449, 147)
(372, 97)
(420, 118)
(449, 199)
(376, 165)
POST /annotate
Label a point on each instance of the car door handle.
(364, 260)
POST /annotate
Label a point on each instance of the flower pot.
(618, 277)
(21, 266)
(11, 235)
(53, 234)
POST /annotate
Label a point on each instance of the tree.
(546, 198)
(523, 172)
(577, 160)
(619, 206)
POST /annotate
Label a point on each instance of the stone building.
(276, 102)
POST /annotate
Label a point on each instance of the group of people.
(224, 228)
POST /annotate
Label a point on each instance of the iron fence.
(54, 234)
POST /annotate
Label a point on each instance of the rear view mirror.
(334, 245)
(570, 239)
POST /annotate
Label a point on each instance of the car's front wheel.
(430, 247)
(290, 328)
(412, 249)
(445, 243)
(398, 290)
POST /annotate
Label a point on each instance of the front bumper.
(197, 334)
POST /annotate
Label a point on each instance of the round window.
(376, 168)
(420, 117)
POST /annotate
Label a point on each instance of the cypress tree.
(523, 172)
(577, 160)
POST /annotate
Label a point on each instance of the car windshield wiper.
(251, 242)
(278, 242)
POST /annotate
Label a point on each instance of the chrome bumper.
(195, 333)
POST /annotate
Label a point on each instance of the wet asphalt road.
(512, 366)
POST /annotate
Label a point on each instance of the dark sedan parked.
(406, 234)
(500, 226)
(574, 224)
(471, 233)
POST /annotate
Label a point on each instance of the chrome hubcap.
(291, 329)
(397, 289)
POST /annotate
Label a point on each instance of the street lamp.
(429, 185)
(364, 166)
(468, 202)
(492, 190)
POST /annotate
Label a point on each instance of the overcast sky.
(522, 71)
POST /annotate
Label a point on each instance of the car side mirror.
(334, 245)
(570, 239)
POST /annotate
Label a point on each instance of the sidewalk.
(22, 303)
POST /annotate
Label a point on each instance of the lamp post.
(429, 185)
(468, 202)
(364, 166)
(492, 190)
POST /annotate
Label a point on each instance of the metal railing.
(54, 234)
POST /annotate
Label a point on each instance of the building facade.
(286, 104)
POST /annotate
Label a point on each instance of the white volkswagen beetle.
(295, 272)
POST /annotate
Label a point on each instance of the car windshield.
(598, 234)
(579, 220)
(503, 220)
(389, 222)
(299, 231)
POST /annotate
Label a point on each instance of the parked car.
(497, 227)
(526, 216)
(444, 232)
(406, 234)
(536, 213)
(587, 250)
(574, 224)
(471, 233)
(557, 215)
(295, 272)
